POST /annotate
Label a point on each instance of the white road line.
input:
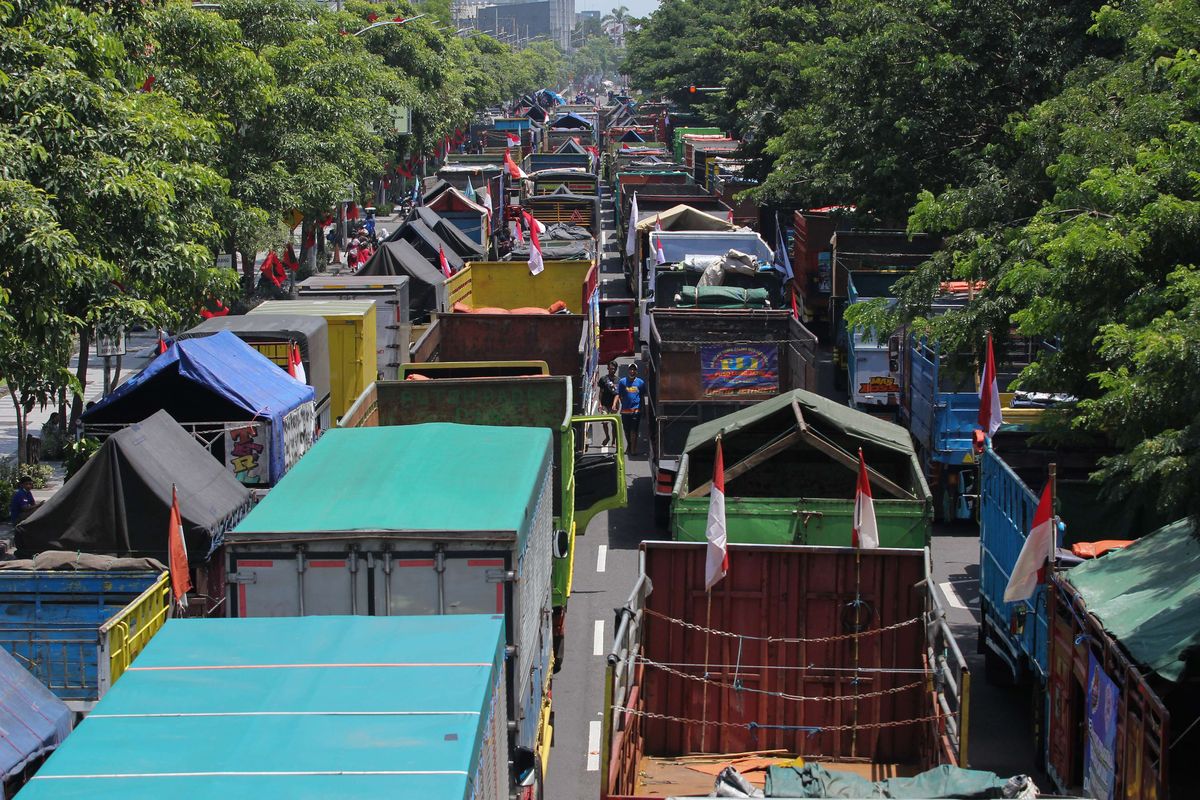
(952, 595)
(598, 638)
(601, 557)
(593, 751)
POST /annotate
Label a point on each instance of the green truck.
(589, 476)
(791, 467)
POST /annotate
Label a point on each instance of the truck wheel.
(560, 649)
(995, 669)
(662, 513)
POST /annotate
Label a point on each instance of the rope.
(781, 695)
(899, 723)
(783, 639)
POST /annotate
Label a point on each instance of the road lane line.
(598, 639)
(601, 558)
(952, 596)
(593, 751)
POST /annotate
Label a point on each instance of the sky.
(638, 8)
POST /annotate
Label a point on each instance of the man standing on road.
(608, 396)
(629, 398)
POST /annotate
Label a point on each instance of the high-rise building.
(519, 23)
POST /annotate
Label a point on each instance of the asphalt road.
(1000, 729)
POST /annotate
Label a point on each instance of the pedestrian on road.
(629, 398)
(608, 396)
(22, 504)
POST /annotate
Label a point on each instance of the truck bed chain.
(782, 695)
(783, 639)
(755, 726)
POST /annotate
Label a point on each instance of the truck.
(567, 342)
(304, 708)
(826, 652)
(687, 382)
(588, 478)
(78, 631)
(791, 471)
(873, 357)
(393, 318)
(410, 520)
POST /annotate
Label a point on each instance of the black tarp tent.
(426, 281)
(427, 243)
(120, 501)
(450, 233)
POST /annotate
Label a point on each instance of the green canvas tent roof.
(818, 410)
(430, 477)
(1147, 596)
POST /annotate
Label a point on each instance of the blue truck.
(78, 631)
(303, 707)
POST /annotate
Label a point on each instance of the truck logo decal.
(741, 370)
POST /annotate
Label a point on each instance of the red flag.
(289, 258)
(296, 364)
(148, 84)
(513, 140)
(162, 344)
(445, 265)
(513, 170)
(795, 306)
(865, 532)
(989, 395)
(1039, 545)
(716, 564)
(352, 211)
(181, 581)
(536, 265)
(731, 216)
(273, 270)
(372, 17)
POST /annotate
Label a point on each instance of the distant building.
(518, 23)
(588, 14)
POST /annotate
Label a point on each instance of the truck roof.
(290, 707)
(428, 477)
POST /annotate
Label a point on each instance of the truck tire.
(560, 649)
(662, 512)
(995, 670)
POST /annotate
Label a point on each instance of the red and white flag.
(181, 581)
(866, 532)
(536, 265)
(731, 216)
(716, 565)
(443, 263)
(514, 140)
(989, 395)
(296, 365)
(515, 172)
(659, 256)
(1039, 545)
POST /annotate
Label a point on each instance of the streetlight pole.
(396, 21)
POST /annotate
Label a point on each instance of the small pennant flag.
(162, 344)
(659, 256)
(989, 395)
(731, 216)
(1039, 545)
(296, 365)
(470, 191)
(865, 533)
(148, 84)
(631, 233)
(513, 170)
(443, 263)
(716, 563)
(514, 140)
(536, 265)
(181, 581)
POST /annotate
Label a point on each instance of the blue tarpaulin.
(572, 121)
(218, 378)
(32, 720)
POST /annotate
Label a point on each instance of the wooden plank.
(751, 461)
(838, 454)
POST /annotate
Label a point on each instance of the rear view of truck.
(831, 654)
(705, 364)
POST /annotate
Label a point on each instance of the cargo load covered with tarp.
(120, 501)
(458, 220)
(426, 242)
(34, 721)
(271, 337)
(254, 417)
(426, 288)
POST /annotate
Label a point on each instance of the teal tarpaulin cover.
(814, 781)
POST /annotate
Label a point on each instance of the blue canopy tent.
(206, 384)
(32, 720)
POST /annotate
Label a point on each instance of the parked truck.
(78, 631)
(312, 707)
(588, 477)
(704, 364)
(830, 653)
(407, 520)
(392, 313)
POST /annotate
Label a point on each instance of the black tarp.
(451, 234)
(426, 242)
(401, 258)
(120, 502)
(572, 146)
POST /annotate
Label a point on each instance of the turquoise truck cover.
(410, 478)
(305, 707)
(1147, 597)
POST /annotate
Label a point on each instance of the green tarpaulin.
(1147, 596)
(722, 297)
(409, 478)
(814, 781)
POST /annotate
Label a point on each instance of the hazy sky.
(639, 8)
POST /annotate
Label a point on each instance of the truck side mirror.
(562, 544)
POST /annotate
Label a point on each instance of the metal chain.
(838, 637)
(753, 725)
(781, 695)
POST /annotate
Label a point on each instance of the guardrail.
(621, 731)
(951, 678)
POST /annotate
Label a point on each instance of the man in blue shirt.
(629, 403)
(22, 500)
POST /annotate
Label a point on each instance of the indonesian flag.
(716, 564)
(989, 395)
(296, 365)
(514, 140)
(162, 344)
(659, 256)
(181, 582)
(536, 265)
(631, 232)
(1039, 545)
(731, 216)
(513, 170)
(443, 263)
(865, 533)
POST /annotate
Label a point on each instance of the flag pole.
(1054, 520)
(857, 624)
(707, 638)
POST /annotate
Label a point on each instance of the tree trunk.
(249, 270)
(116, 373)
(22, 422)
(81, 371)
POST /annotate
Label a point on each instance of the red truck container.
(829, 653)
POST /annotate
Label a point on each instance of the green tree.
(683, 43)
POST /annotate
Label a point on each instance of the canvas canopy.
(425, 242)
(33, 719)
(685, 218)
(571, 146)
(120, 502)
(450, 233)
(570, 121)
(401, 258)
(678, 245)
(1147, 597)
(631, 136)
(214, 379)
